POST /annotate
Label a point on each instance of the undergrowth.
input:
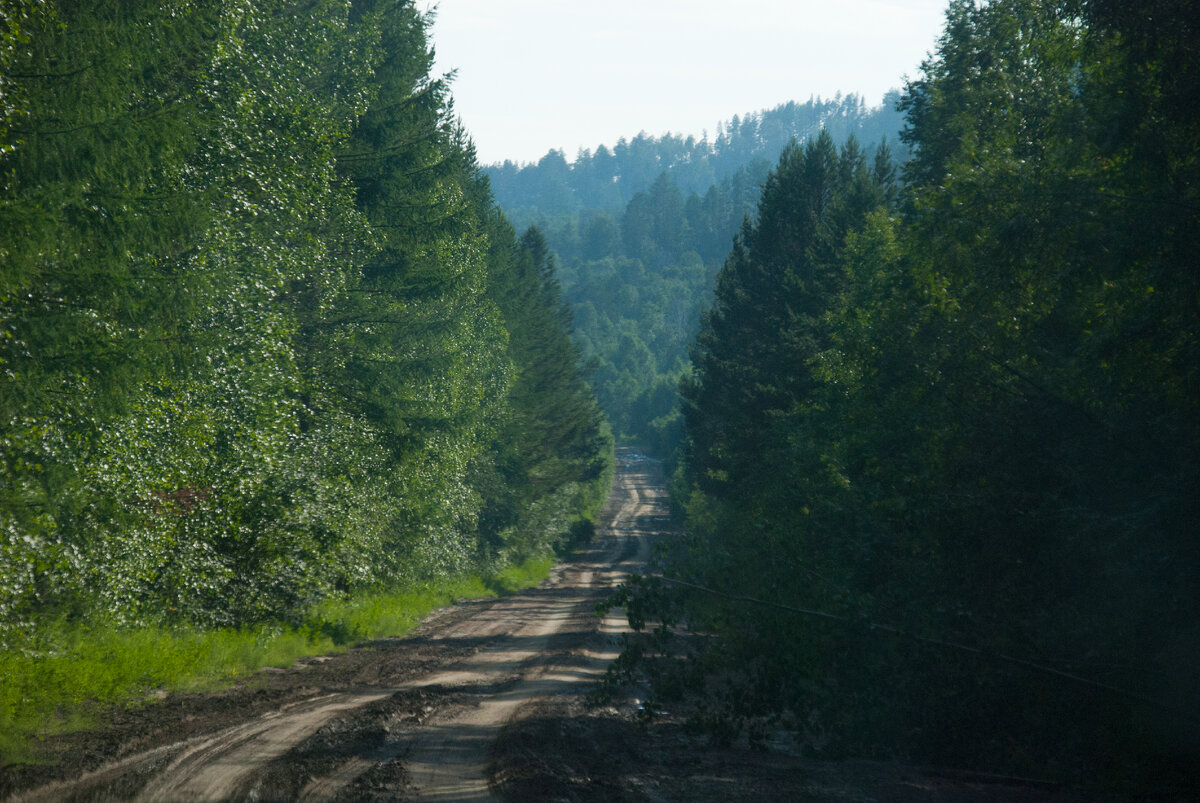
(60, 683)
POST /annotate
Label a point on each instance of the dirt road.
(412, 718)
(484, 700)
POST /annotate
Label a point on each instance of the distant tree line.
(609, 178)
(641, 231)
(941, 475)
(264, 336)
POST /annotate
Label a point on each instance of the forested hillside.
(642, 229)
(265, 337)
(940, 473)
(607, 179)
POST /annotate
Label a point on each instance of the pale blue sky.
(541, 74)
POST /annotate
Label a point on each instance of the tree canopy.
(264, 336)
(642, 229)
(941, 442)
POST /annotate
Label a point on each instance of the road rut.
(423, 733)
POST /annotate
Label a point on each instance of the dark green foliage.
(639, 254)
(254, 352)
(554, 446)
(637, 284)
(972, 416)
(766, 324)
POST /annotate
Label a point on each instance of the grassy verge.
(76, 669)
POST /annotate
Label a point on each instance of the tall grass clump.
(63, 680)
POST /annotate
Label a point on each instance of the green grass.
(524, 575)
(76, 670)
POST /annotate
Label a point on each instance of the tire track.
(450, 758)
(446, 755)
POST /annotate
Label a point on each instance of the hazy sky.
(540, 74)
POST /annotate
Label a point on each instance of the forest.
(939, 468)
(265, 338)
(607, 179)
(927, 376)
(641, 230)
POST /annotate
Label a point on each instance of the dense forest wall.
(264, 337)
(940, 470)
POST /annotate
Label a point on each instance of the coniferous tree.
(752, 355)
(250, 328)
(982, 448)
(551, 450)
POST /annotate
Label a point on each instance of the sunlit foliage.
(251, 351)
